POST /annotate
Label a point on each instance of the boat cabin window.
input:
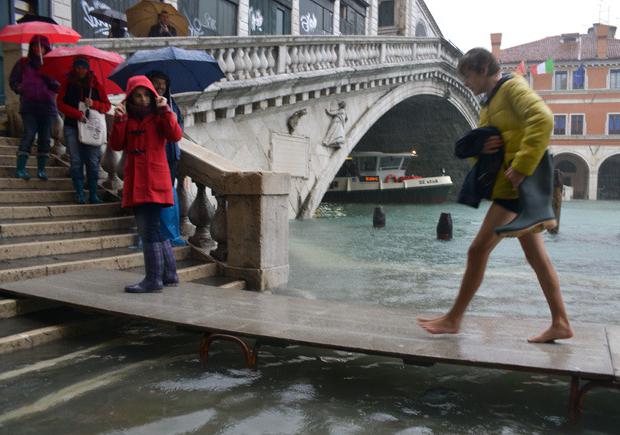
(405, 163)
(367, 164)
(388, 163)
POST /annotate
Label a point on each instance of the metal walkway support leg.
(251, 356)
(578, 395)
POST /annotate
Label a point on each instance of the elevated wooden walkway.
(591, 359)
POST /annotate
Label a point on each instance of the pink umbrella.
(59, 62)
(21, 33)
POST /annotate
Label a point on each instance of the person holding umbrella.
(81, 85)
(143, 123)
(37, 108)
(163, 26)
(170, 229)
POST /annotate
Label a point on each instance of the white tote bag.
(92, 132)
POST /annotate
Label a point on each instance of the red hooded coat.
(147, 176)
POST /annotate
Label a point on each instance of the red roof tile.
(553, 47)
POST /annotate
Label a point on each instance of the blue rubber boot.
(92, 191)
(20, 170)
(41, 162)
(171, 279)
(154, 266)
(78, 185)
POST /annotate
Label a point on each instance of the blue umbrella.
(188, 70)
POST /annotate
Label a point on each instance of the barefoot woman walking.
(525, 123)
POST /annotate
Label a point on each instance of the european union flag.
(579, 77)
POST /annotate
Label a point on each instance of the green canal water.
(151, 381)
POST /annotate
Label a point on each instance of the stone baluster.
(109, 163)
(333, 51)
(249, 66)
(199, 216)
(230, 64)
(303, 58)
(414, 51)
(271, 60)
(219, 229)
(264, 63)
(184, 203)
(239, 63)
(255, 65)
(294, 54)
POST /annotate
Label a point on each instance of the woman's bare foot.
(555, 332)
(440, 325)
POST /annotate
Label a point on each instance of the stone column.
(257, 226)
(593, 185)
(11, 54)
(61, 12)
(336, 23)
(243, 28)
(372, 18)
(295, 18)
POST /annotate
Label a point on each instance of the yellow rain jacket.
(526, 124)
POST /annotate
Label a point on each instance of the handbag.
(92, 132)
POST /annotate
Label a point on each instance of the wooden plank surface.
(613, 339)
(488, 342)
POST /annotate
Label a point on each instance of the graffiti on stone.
(199, 26)
(98, 27)
(308, 22)
(256, 20)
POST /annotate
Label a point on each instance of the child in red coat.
(143, 124)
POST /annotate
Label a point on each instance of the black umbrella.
(30, 17)
(109, 15)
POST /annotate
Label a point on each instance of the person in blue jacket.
(170, 220)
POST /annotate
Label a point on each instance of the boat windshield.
(405, 164)
(367, 164)
(388, 163)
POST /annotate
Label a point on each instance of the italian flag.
(542, 68)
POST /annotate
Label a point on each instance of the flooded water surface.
(149, 379)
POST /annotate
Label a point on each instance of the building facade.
(244, 18)
(583, 91)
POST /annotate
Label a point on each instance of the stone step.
(7, 159)
(222, 282)
(56, 226)
(59, 244)
(13, 141)
(41, 196)
(113, 259)
(16, 307)
(23, 211)
(8, 171)
(35, 183)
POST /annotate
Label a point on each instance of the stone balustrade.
(272, 71)
(242, 58)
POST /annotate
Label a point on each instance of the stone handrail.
(244, 58)
(250, 223)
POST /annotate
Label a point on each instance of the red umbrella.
(22, 33)
(59, 62)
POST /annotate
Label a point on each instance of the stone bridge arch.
(442, 89)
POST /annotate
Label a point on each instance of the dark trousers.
(82, 155)
(33, 124)
(147, 219)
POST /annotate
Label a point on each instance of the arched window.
(420, 29)
(566, 166)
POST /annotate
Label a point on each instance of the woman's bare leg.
(534, 248)
(477, 256)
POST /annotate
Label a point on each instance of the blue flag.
(579, 77)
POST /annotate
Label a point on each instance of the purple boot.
(171, 279)
(154, 265)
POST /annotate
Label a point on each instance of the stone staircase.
(43, 232)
